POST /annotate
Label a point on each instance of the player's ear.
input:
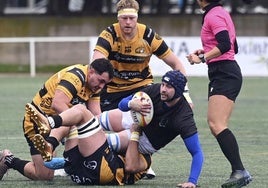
(92, 70)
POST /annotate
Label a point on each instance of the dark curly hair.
(102, 65)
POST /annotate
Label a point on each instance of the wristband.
(202, 58)
(135, 136)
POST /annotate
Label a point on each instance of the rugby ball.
(142, 120)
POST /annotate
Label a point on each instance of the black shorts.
(225, 79)
(109, 101)
(100, 168)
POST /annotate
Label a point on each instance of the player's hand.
(140, 106)
(186, 185)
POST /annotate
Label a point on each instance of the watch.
(202, 58)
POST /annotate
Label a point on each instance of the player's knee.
(80, 107)
(89, 128)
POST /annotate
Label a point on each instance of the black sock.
(16, 163)
(230, 149)
(53, 141)
(55, 121)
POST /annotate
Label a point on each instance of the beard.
(165, 98)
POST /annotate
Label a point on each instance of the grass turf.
(171, 164)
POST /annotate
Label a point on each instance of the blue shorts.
(225, 79)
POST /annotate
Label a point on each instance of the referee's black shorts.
(225, 78)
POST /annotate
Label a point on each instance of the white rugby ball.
(142, 120)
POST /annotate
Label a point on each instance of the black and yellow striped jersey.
(130, 58)
(72, 81)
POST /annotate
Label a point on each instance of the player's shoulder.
(78, 70)
(152, 88)
(110, 33)
(146, 31)
(153, 91)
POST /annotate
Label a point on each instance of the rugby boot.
(44, 148)
(40, 120)
(3, 166)
(150, 174)
(55, 163)
(238, 178)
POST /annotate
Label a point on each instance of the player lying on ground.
(172, 117)
(90, 159)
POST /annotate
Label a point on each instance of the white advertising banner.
(252, 56)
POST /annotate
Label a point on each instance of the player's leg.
(34, 169)
(115, 120)
(3, 166)
(219, 112)
(119, 122)
(118, 141)
(87, 126)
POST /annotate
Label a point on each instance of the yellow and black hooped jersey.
(130, 58)
(72, 81)
(103, 167)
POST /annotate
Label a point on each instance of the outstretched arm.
(193, 145)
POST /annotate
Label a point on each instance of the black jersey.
(168, 122)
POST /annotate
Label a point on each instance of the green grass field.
(171, 164)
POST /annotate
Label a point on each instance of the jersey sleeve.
(103, 44)
(159, 46)
(71, 82)
(217, 23)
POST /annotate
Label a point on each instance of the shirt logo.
(90, 164)
(140, 50)
(127, 49)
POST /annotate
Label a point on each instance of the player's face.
(97, 81)
(166, 91)
(128, 24)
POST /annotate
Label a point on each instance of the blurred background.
(46, 35)
(90, 7)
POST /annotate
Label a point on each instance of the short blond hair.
(123, 4)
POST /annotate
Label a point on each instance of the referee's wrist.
(202, 58)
